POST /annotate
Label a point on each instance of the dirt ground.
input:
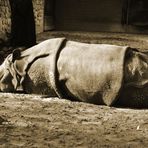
(34, 121)
(28, 121)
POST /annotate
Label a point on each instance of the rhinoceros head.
(8, 77)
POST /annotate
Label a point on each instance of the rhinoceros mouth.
(10, 67)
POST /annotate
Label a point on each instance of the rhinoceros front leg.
(37, 80)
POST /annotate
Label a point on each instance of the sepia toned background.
(38, 121)
(84, 15)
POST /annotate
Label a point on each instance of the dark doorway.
(88, 15)
(22, 23)
(96, 15)
(49, 9)
(135, 13)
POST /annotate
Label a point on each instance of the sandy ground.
(28, 121)
(34, 121)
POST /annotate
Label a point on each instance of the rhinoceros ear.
(16, 54)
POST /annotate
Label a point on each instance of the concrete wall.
(93, 15)
(5, 14)
(86, 15)
(96, 15)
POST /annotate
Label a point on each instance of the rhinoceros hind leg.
(133, 97)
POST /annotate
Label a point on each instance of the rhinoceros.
(95, 73)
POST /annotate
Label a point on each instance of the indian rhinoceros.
(95, 73)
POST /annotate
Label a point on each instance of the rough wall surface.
(39, 14)
(5, 14)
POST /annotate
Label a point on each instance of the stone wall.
(5, 21)
(5, 13)
(39, 14)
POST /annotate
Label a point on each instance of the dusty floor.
(34, 121)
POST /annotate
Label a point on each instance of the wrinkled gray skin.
(134, 92)
(135, 88)
(37, 80)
